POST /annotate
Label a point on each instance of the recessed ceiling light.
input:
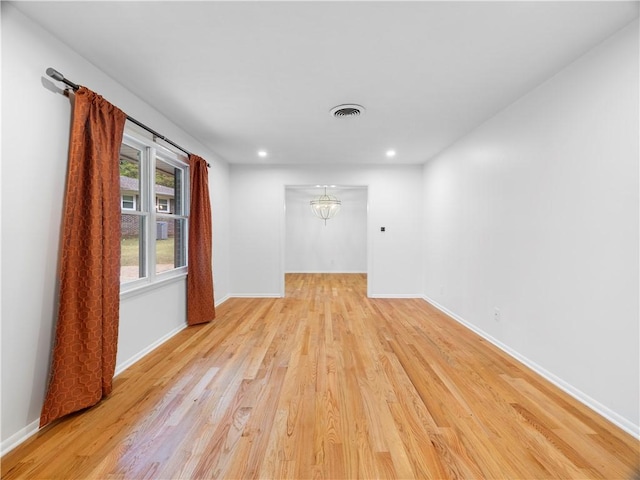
(262, 153)
(391, 153)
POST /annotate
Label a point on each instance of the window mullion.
(151, 206)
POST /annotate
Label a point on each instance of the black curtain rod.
(56, 75)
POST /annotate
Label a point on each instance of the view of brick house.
(130, 200)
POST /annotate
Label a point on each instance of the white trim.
(142, 285)
(127, 363)
(283, 236)
(150, 154)
(220, 302)
(125, 209)
(396, 295)
(19, 437)
(158, 205)
(283, 240)
(326, 271)
(25, 433)
(255, 295)
(579, 395)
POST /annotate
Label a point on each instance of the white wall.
(35, 135)
(536, 213)
(340, 245)
(258, 230)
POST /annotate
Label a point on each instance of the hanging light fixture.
(325, 206)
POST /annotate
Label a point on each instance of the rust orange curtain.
(200, 303)
(84, 354)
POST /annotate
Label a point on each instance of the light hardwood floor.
(327, 383)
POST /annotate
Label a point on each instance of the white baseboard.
(127, 363)
(255, 295)
(579, 395)
(224, 299)
(327, 271)
(23, 434)
(396, 295)
(20, 436)
(626, 425)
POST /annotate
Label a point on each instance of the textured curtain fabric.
(200, 303)
(84, 354)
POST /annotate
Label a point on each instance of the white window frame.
(126, 208)
(158, 205)
(151, 150)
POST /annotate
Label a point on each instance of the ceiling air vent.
(347, 110)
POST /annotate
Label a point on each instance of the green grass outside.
(130, 251)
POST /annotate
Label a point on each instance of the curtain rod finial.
(56, 75)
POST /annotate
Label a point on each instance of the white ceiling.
(244, 76)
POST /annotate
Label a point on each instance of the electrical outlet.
(497, 316)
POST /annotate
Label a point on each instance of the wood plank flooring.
(327, 383)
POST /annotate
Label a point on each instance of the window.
(128, 202)
(154, 198)
(162, 205)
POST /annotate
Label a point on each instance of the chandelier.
(325, 206)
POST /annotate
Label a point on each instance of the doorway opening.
(312, 247)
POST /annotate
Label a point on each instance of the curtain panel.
(200, 301)
(84, 353)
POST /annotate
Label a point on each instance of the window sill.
(148, 287)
